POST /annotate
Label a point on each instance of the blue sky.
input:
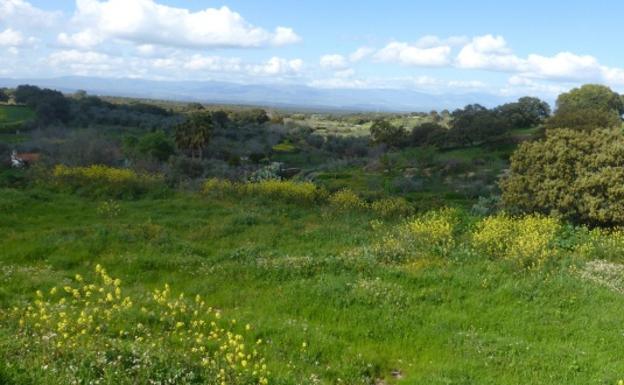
(529, 47)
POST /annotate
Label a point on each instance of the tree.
(591, 96)
(427, 134)
(195, 106)
(255, 116)
(475, 124)
(584, 119)
(589, 107)
(384, 132)
(155, 145)
(50, 106)
(193, 135)
(576, 174)
(525, 113)
(4, 97)
(220, 118)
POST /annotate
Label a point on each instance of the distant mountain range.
(277, 96)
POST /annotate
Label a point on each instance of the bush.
(392, 207)
(102, 181)
(527, 241)
(346, 199)
(571, 173)
(271, 171)
(289, 191)
(86, 332)
(220, 187)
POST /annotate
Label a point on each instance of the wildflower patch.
(95, 333)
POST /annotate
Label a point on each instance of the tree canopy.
(4, 97)
(384, 132)
(586, 108)
(525, 113)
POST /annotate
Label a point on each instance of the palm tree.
(194, 133)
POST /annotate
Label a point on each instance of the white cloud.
(339, 83)
(406, 54)
(490, 53)
(11, 38)
(360, 53)
(334, 62)
(213, 63)
(613, 75)
(86, 63)
(277, 66)
(147, 22)
(84, 40)
(14, 39)
(346, 73)
(430, 41)
(518, 85)
(564, 65)
(21, 13)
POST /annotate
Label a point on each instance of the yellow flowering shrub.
(285, 190)
(94, 333)
(99, 180)
(390, 207)
(220, 187)
(526, 240)
(346, 199)
(291, 191)
(431, 233)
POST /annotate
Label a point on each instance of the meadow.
(12, 117)
(172, 243)
(334, 292)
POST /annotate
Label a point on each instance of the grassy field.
(328, 311)
(11, 117)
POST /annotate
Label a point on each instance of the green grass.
(11, 117)
(454, 319)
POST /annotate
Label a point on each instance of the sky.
(531, 47)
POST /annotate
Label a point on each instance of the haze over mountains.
(273, 95)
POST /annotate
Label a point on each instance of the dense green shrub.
(576, 174)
